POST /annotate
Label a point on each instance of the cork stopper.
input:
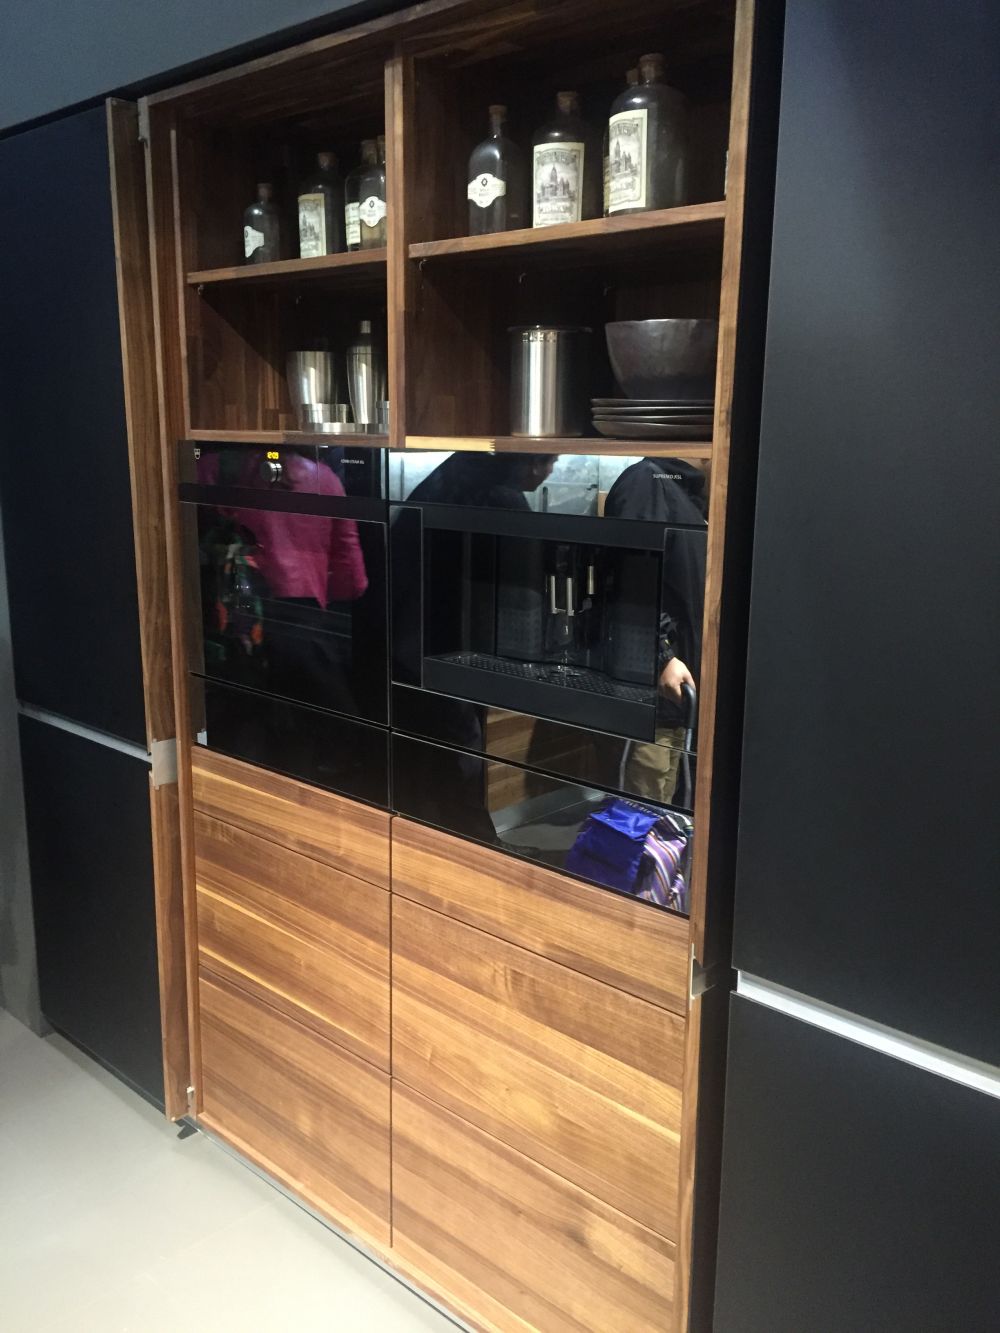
(326, 161)
(498, 117)
(651, 68)
(368, 152)
(568, 103)
(631, 78)
(265, 192)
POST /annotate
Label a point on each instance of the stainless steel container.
(366, 375)
(315, 414)
(312, 379)
(548, 380)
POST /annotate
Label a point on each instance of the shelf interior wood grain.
(691, 224)
(354, 265)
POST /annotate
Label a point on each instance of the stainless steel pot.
(548, 380)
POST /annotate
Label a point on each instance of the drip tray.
(577, 695)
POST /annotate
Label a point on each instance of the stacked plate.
(653, 418)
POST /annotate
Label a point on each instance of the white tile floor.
(109, 1223)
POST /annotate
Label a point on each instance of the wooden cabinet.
(538, 1034)
(511, 1242)
(314, 1116)
(295, 933)
(580, 1076)
(293, 985)
(625, 943)
(340, 833)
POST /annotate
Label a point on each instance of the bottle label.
(371, 211)
(252, 240)
(486, 189)
(312, 226)
(352, 225)
(558, 180)
(627, 160)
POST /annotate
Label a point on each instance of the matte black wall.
(57, 53)
(869, 859)
(860, 1193)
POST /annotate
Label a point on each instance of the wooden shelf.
(273, 437)
(570, 444)
(364, 265)
(687, 225)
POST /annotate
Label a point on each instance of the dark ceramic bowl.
(664, 358)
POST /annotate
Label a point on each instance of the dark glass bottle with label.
(262, 228)
(321, 210)
(371, 200)
(565, 167)
(352, 186)
(631, 79)
(647, 150)
(496, 181)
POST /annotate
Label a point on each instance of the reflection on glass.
(564, 624)
(670, 491)
(292, 604)
(571, 484)
(630, 846)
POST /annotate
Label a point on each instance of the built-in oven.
(287, 608)
(546, 643)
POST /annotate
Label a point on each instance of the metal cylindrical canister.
(548, 380)
(312, 378)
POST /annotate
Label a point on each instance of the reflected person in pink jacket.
(312, 569)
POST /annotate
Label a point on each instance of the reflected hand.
(674, 675)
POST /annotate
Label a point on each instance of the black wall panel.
(868, 864)
(860, 1195)
(89, 841)
(64, 475)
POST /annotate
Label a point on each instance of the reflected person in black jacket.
(668, 490)
(453, 794)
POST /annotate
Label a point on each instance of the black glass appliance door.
(287, 579)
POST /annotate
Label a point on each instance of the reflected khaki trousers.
(651, 770)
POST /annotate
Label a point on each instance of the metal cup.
(312, 379)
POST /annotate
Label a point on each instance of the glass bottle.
(321, 210)
(565, 176)
(496, 181)
(647, 152)
(631, 79)
(262, 228)
(371, 200)
(352, 187)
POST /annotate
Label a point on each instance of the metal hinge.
(143, 120)
(164, 762)
(190, 1097)
(704, 978)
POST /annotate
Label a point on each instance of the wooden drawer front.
(299, 935)
(569, 1071)
(342, 833)
(305, 1110)
(628, 944)
(510, 1240)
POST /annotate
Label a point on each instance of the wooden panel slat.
(312, 1115)
(628, 944)
(581, 1077)
(341, 833)
(299, 935)
(514, 1242)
